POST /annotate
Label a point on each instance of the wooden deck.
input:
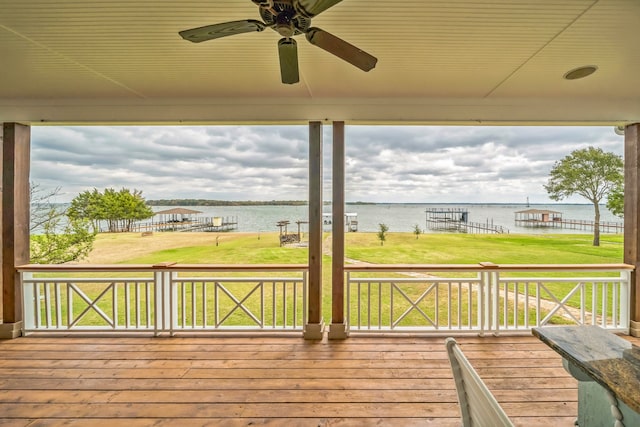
(272, 381)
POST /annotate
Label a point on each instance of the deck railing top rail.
(348, 267)
(486, 266)
(160, 266)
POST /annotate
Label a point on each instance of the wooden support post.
(338, 327)
(632, 219)
(14, 222)
(315, 324)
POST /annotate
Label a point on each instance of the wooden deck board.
(271, 381)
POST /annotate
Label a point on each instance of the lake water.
(398, 217)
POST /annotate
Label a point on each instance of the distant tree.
(119, 209)
(417, 231)
(590, 173)
(86, 205)
(382, 233)
(615, 201)
(55, 239)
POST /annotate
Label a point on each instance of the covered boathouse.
(538, 218)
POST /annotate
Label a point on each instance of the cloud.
(383, 164)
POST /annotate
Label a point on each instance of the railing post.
(170, 299)
(488, 307)
(491, 304)
(165, 318)
(347, 320)
(158, 312)
(28, 295)
(482, 309)
(488, 300)
(163, 302)
(625, 300)
(496, 301)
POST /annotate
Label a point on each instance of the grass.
(403, 248)
(193, 248)
(399, 248)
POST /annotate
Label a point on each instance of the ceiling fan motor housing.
(286, 21)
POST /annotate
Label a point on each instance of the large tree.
(55, 239)
(119, 209)
(590, 173)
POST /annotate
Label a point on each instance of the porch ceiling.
(453, 61)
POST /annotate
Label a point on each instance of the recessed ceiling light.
(580, 72)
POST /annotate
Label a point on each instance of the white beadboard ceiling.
(439, 61)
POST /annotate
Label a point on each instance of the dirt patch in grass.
(110, 248)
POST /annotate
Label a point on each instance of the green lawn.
(234, 249)
(401, 248)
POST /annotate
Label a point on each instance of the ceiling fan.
(289, 18)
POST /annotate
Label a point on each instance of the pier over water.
(457, 219)
(554, 219)
(182, 219)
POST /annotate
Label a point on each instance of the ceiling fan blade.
(341, 49)
(288, 51)
(311, 8)
(216, 31)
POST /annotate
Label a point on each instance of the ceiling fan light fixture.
(580, 72)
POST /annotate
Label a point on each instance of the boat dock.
(447, 219)
(211, 224)
(184, 220)
(457, 219)
(548, 218)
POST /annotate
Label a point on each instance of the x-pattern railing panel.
(426, 303)
(165, 300)
(81, 303)
(239, 303)
(92, 304)
(561, 304)
(413, 304)
(495, 299)
(565, 300)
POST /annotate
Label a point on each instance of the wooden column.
(315, 324)
(632, 219)
(337, 329)
(14, 222)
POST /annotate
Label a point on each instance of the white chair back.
(478, 406)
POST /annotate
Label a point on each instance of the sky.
(398, 164)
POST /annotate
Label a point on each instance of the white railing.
(170, 298)
(485, 298)
(164, 298)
